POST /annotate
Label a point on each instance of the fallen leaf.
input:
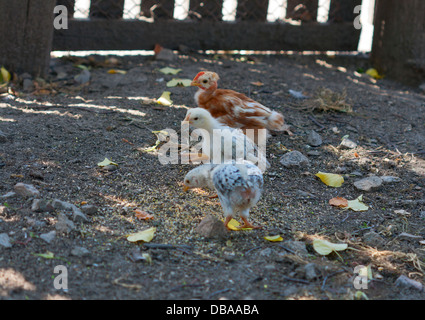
(179, 82)
(115, 71)
(359, 295)
(145, 235)
(158, 141)
(257, 83)
(357, 204)
(402, 212)
(277, 238)
(47, 255)
(142, 215)
(374, 73)
(338, 202)
(165, 99)
(331, 179)
(168, 70)
(234, 225)
(325, 247)
(106, 162)
(4, 75)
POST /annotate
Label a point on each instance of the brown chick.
(234, 109)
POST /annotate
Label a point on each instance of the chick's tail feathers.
(275, 121)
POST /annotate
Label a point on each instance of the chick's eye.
(187, 181)
(204, 81)
(195, 118)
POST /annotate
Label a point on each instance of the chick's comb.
(198, 75)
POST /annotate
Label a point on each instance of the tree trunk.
(398, 49)
(26, 35)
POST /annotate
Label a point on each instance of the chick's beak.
(185, 188)
(187, 119)
(195, 83)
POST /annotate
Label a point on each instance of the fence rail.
(209, 24)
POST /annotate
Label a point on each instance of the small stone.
(165, 55)
(373, 239)
(402, 212)
(310, 271)
(35, 223)
(89, 209)
(348, 144)
(26, 190)
(408, 283)
(314, 139)
(313, 153)
(368, 184)
(64, 225)
(49, 236)
(8, 195)
(390, 179)
(212, 227)
(28, 85)
(294, 159)
(83, 77)
(296, 246)
(41, 205)
(5, 240)
(77, 214)
(80, 252)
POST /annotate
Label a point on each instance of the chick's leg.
(246, 223)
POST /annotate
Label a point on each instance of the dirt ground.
(55, 134)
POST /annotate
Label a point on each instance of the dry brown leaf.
(142, 215)
(338, 202)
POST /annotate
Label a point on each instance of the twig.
(296, 280)
(166, 246)
(330, 276)
(316, 122)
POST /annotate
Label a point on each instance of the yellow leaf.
(359, 295)
(357, 204)
(325, 247)
(165, 99)
(274, 238)
(106, 162)
(168, 70)
(179, 82)
(234, 225)
(115, 71)
(145, 235)
(4, 75)
(374, 73)
(330, 179)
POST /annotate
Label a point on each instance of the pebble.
(83, 77)
(373, 239)
(89, 209)
(80, 252)
(390, 179)
(212, 227)
(294, 159)
(41, 205)
(26, 190)
(348, 144)
(313, 153)
(5, 240)
(49, 236)
(77, 214)
(28, 85)
(310, 271)
(408, 283)
(314, 139)
(64, 225)
(297, 246)
(8, 195)
(368, 184)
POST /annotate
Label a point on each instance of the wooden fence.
(204, 28)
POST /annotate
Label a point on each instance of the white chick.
(242, 148)
(238, 185)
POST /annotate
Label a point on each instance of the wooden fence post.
(26, 35)
(398, 49)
